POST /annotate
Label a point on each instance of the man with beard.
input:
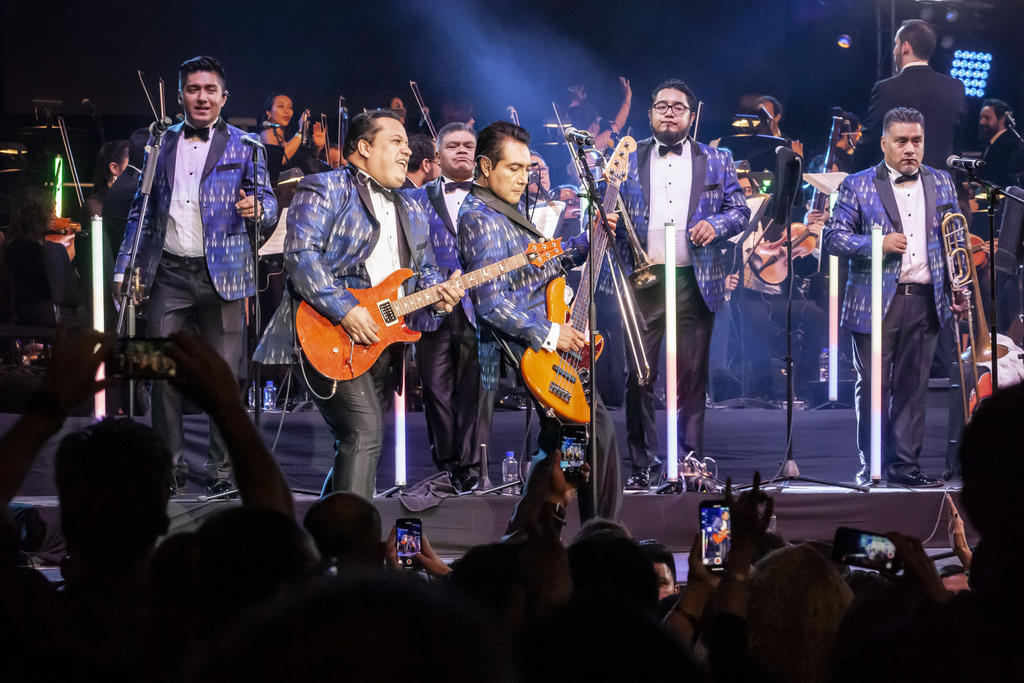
(678, 183)
(1004, 154)
(349, 228)
(457, 408)
(513, 307)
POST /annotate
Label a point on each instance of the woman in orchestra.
(285, 146)
(110, 163)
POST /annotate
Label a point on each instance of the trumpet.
(643, 275)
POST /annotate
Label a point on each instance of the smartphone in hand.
(715, 534)
(408, 540)
(864, 549)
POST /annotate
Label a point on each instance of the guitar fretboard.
(431, 295)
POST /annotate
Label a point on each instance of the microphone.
(253, 142)
(953, 161)
(268, 124)
(580, 137)
(1010, 122)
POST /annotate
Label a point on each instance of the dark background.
(492, 54)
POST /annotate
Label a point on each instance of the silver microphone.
(580, 137)
(253, 142)
(953, 161)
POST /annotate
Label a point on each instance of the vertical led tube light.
(671, 407)
(98, 309)
(833, 328)
(876, 353)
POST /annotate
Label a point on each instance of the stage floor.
(739, 440)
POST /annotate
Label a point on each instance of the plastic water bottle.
(269, 396)
(823, 365)
(252, 396)
(510, 473)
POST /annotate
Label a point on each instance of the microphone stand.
(595, 271)
(789, 471)
(131, 286)
(254, 368)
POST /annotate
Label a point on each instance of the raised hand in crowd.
(206, 378)
(957, 535)
(426, 559)
(918, 568)
(70, 380)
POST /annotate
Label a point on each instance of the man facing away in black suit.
(940, 98)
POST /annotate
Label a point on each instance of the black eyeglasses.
(662, 107)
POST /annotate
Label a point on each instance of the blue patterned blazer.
(226, 242)
(514, 304)
(715, 197)
(865, 199)
(444, 233)
(331, 231)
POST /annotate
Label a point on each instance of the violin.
(769, 260)
(60, 225)
(979, 250)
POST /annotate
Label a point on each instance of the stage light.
(844, 41)
(972, 67)
(952, 15)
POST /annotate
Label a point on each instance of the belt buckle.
(906, 288)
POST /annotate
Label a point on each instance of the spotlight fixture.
(972, 68)
(844, 41)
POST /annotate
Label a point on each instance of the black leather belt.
(183, 260)
(914, 289)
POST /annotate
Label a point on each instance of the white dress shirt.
(910, 202)
(453, 200)
(671, 178)
(386, 256)
(184, 235)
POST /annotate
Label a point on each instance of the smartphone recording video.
(863, 549)
(141, 358)
(715, 534)
(573, 454)
(408, 540)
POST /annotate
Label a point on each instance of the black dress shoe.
(863, 476)
(915, 479)
(218, 487)
(640, 479)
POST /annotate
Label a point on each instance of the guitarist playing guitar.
(491, 228)
(348, 229)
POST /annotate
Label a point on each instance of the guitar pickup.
(387, 313)
(559, 392)
(564, 373)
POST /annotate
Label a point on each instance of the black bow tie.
(907, 178)
(369, 183)
(664, 150)
(202, 133)
(466, 185)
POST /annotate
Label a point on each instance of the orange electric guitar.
(560, 379)
(331, 351)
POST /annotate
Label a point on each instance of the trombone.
(964, 282)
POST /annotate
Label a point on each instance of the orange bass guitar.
(559, 380)
(333, 353)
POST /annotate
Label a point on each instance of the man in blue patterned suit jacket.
(349, 228)
(514, 306)
(676, 180)
(908, 200)
(457, 408)
(195, 254)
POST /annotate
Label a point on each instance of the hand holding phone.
(141, 358)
